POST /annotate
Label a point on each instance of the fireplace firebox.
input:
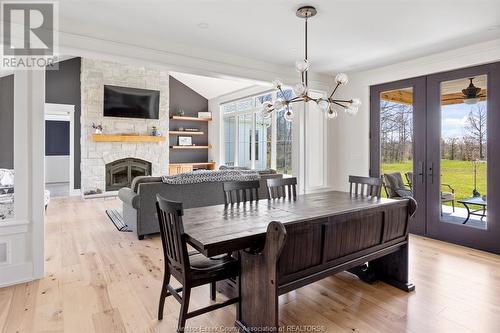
(120, 173)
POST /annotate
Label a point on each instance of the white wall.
(56, 169)
(350, 135)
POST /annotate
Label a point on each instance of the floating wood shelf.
(190, 118)
(184, 133)
(190, 147)
(195, 164)
(127, 138)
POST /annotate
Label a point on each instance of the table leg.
(468, 214)
(393, 269)
(484, 213)
(258, 285)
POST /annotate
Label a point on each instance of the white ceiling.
(209, 87)
(345, 35)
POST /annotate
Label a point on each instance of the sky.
(454, 118)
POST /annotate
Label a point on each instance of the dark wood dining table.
(327, 232)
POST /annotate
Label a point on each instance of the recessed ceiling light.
(203, 25)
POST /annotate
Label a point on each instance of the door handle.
(431, 172)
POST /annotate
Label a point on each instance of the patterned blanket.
(202, 176)
(6, 206)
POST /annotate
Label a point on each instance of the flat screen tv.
(131, 102)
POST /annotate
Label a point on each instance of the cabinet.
(177, 168)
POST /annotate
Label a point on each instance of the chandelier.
(328, 105)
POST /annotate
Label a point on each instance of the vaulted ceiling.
(345, 35)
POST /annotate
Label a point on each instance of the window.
(229, 139)
(245, 140)
(254, 142)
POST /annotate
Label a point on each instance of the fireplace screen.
(121, 173)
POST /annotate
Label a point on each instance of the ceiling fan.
(471, 94)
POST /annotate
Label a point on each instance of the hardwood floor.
(101, 280)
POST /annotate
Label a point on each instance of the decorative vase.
(155, 132)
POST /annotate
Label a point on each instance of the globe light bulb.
(266, 114)
(351, 110)
(278, 104)
(332, 114)
(302, 65)
(341, 78)
(266, 109)
(277, 83)
(356, 102)
(300, 89)
(323, 104)
(288, 115)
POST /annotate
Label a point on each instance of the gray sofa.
(139, 210)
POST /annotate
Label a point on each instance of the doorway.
(432, 133)
(59, 139)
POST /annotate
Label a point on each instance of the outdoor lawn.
(459, 174)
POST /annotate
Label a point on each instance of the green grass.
(459, 174)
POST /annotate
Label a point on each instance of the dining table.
(326, 233)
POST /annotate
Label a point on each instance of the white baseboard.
(75, 192)
(15, 274)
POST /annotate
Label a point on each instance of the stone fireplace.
(138, 158)
(121, 173)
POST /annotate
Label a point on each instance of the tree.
(452, 142)
(476, 127)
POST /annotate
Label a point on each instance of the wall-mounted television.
(131, 102)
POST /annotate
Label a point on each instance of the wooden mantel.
(126, 138)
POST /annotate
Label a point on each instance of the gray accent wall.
(7, 122)
(185, 98)
(62, 86)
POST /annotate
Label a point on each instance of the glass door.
(462, 154)
(397, 144)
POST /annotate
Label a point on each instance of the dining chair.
(395, 187)
(241, 191)
(282, 187)
(191, 269)
(365, 186)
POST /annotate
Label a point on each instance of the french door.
(463, 152)
(449, 157)
(397, 115)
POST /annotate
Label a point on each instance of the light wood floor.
(101, 280)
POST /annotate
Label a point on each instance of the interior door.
(463, 193)
(397, 141)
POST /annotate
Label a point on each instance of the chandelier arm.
(296, 100)
(342, 100)
(334, 90)
(339, 104)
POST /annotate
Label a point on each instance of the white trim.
(37, 108)
(8, 252)
(14, 227)
(231, 67)
(16, 273)
(66, 112)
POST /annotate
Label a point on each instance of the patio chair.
(395, 187)
(445, 196)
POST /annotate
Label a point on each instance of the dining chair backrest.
(365, 186)
(241, 191)
(172, 233)
(282, 188)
